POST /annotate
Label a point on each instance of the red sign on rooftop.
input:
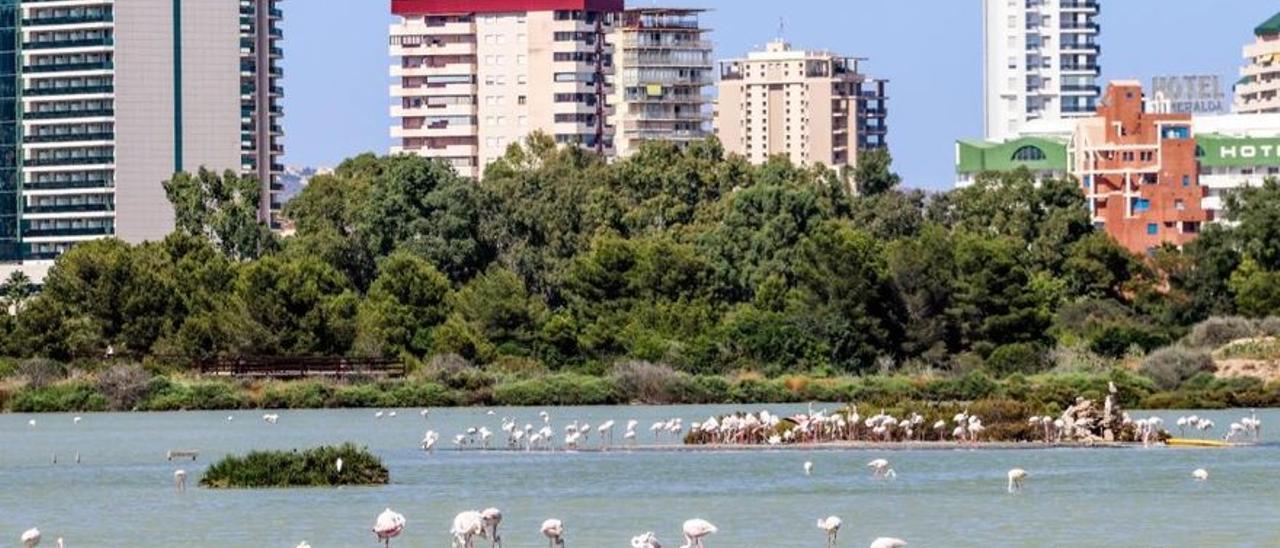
(428, 7)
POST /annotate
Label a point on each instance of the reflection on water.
(122, 494)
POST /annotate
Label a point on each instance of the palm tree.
(16, 290)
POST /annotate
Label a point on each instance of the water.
(122, 493)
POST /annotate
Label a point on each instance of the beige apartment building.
(811, 106)
(664, 72)
(1259, 88)
(475, 76)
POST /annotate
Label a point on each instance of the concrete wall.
(144, 118)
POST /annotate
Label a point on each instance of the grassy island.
(315, 467)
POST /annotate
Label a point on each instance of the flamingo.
(180, 480)
(429, 441)
(647, 540)
(338, 464)
(424, 413)
(808, 468)
(832, 526)
(1017, 478)
(31, 423)
(887, 542)
(466, 526)
(388, 526)
(76, 420)
(492, 517)
(1200, 475)
(606, 429)
(378, 415)
(31, 538)
(304, 544)
(271, 418)
(695, 530)
(553, 529)
(880, 469)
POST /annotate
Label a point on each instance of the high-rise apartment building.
(103, 100)
(1259, 88)
(475, 76)
(664, 69)
(811, 106)
(1040, 61)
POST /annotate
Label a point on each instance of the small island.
(327, 466)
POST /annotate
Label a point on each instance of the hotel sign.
(1238, 152)
(1190, 94)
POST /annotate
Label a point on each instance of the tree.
(874, 174)
(406, 301)
(1257, 212)
(223, 209)
(843, 293)
(923, 274)
(1257, 291)
(17, 290)
(295, 307)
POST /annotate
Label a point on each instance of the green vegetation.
(310, 468)
(541, 283)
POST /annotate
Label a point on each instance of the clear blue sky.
(336, 62)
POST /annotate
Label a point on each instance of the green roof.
(976, 156)
(1271, 26)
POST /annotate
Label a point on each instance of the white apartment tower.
(104, 100)
(475, 76)
(1040, 62)
(811, 106)
(1258, 90)
(664, 70)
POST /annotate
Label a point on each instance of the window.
(1179, 205)
(1186, 180)
(1028, 154)
(1153, 229)
(1141, 205)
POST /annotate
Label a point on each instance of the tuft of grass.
(314, 467)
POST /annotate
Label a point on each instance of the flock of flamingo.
(738, 429)
(472, 525)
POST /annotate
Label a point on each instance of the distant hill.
(295, 179)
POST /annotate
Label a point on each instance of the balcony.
(104, 17)
(66, 185)
(69, 137)
(1088, 5)
(67, 114)
(68, 232)
(76, 161)
(68, 208)
(1090, 27)
(105, 41)
(69, 67)
(83, 90)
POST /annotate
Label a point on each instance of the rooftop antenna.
(782, 28)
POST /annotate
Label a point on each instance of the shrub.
(310, 468)
(41, 372)
(751, 390)
(1171, 366)
(644, 382)
(698, 389)
(1215, 332)
(420, 394)
(59, 398)
(1269, 327)
(1016, 358)
(561, 389)
(296, 395)
(123, 386)
(358, 396)
(194, 396)
(1114, 341)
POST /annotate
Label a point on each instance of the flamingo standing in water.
(832, 526)
(553, 529)
(1200, 475)
(880, 469)
(1017, 478)
(647, 540)
(492, 517)
(467, 526)
(180, 480)
(695, 530)
(388, 526)
(887, 542)
(808, 468)
(31, 538)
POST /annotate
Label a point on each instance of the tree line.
(683, 256)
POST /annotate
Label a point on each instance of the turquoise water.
(122, 494)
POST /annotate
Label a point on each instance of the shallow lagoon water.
(122, 493)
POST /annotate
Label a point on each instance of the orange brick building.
(1139, 172)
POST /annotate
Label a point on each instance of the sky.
(337, 64)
